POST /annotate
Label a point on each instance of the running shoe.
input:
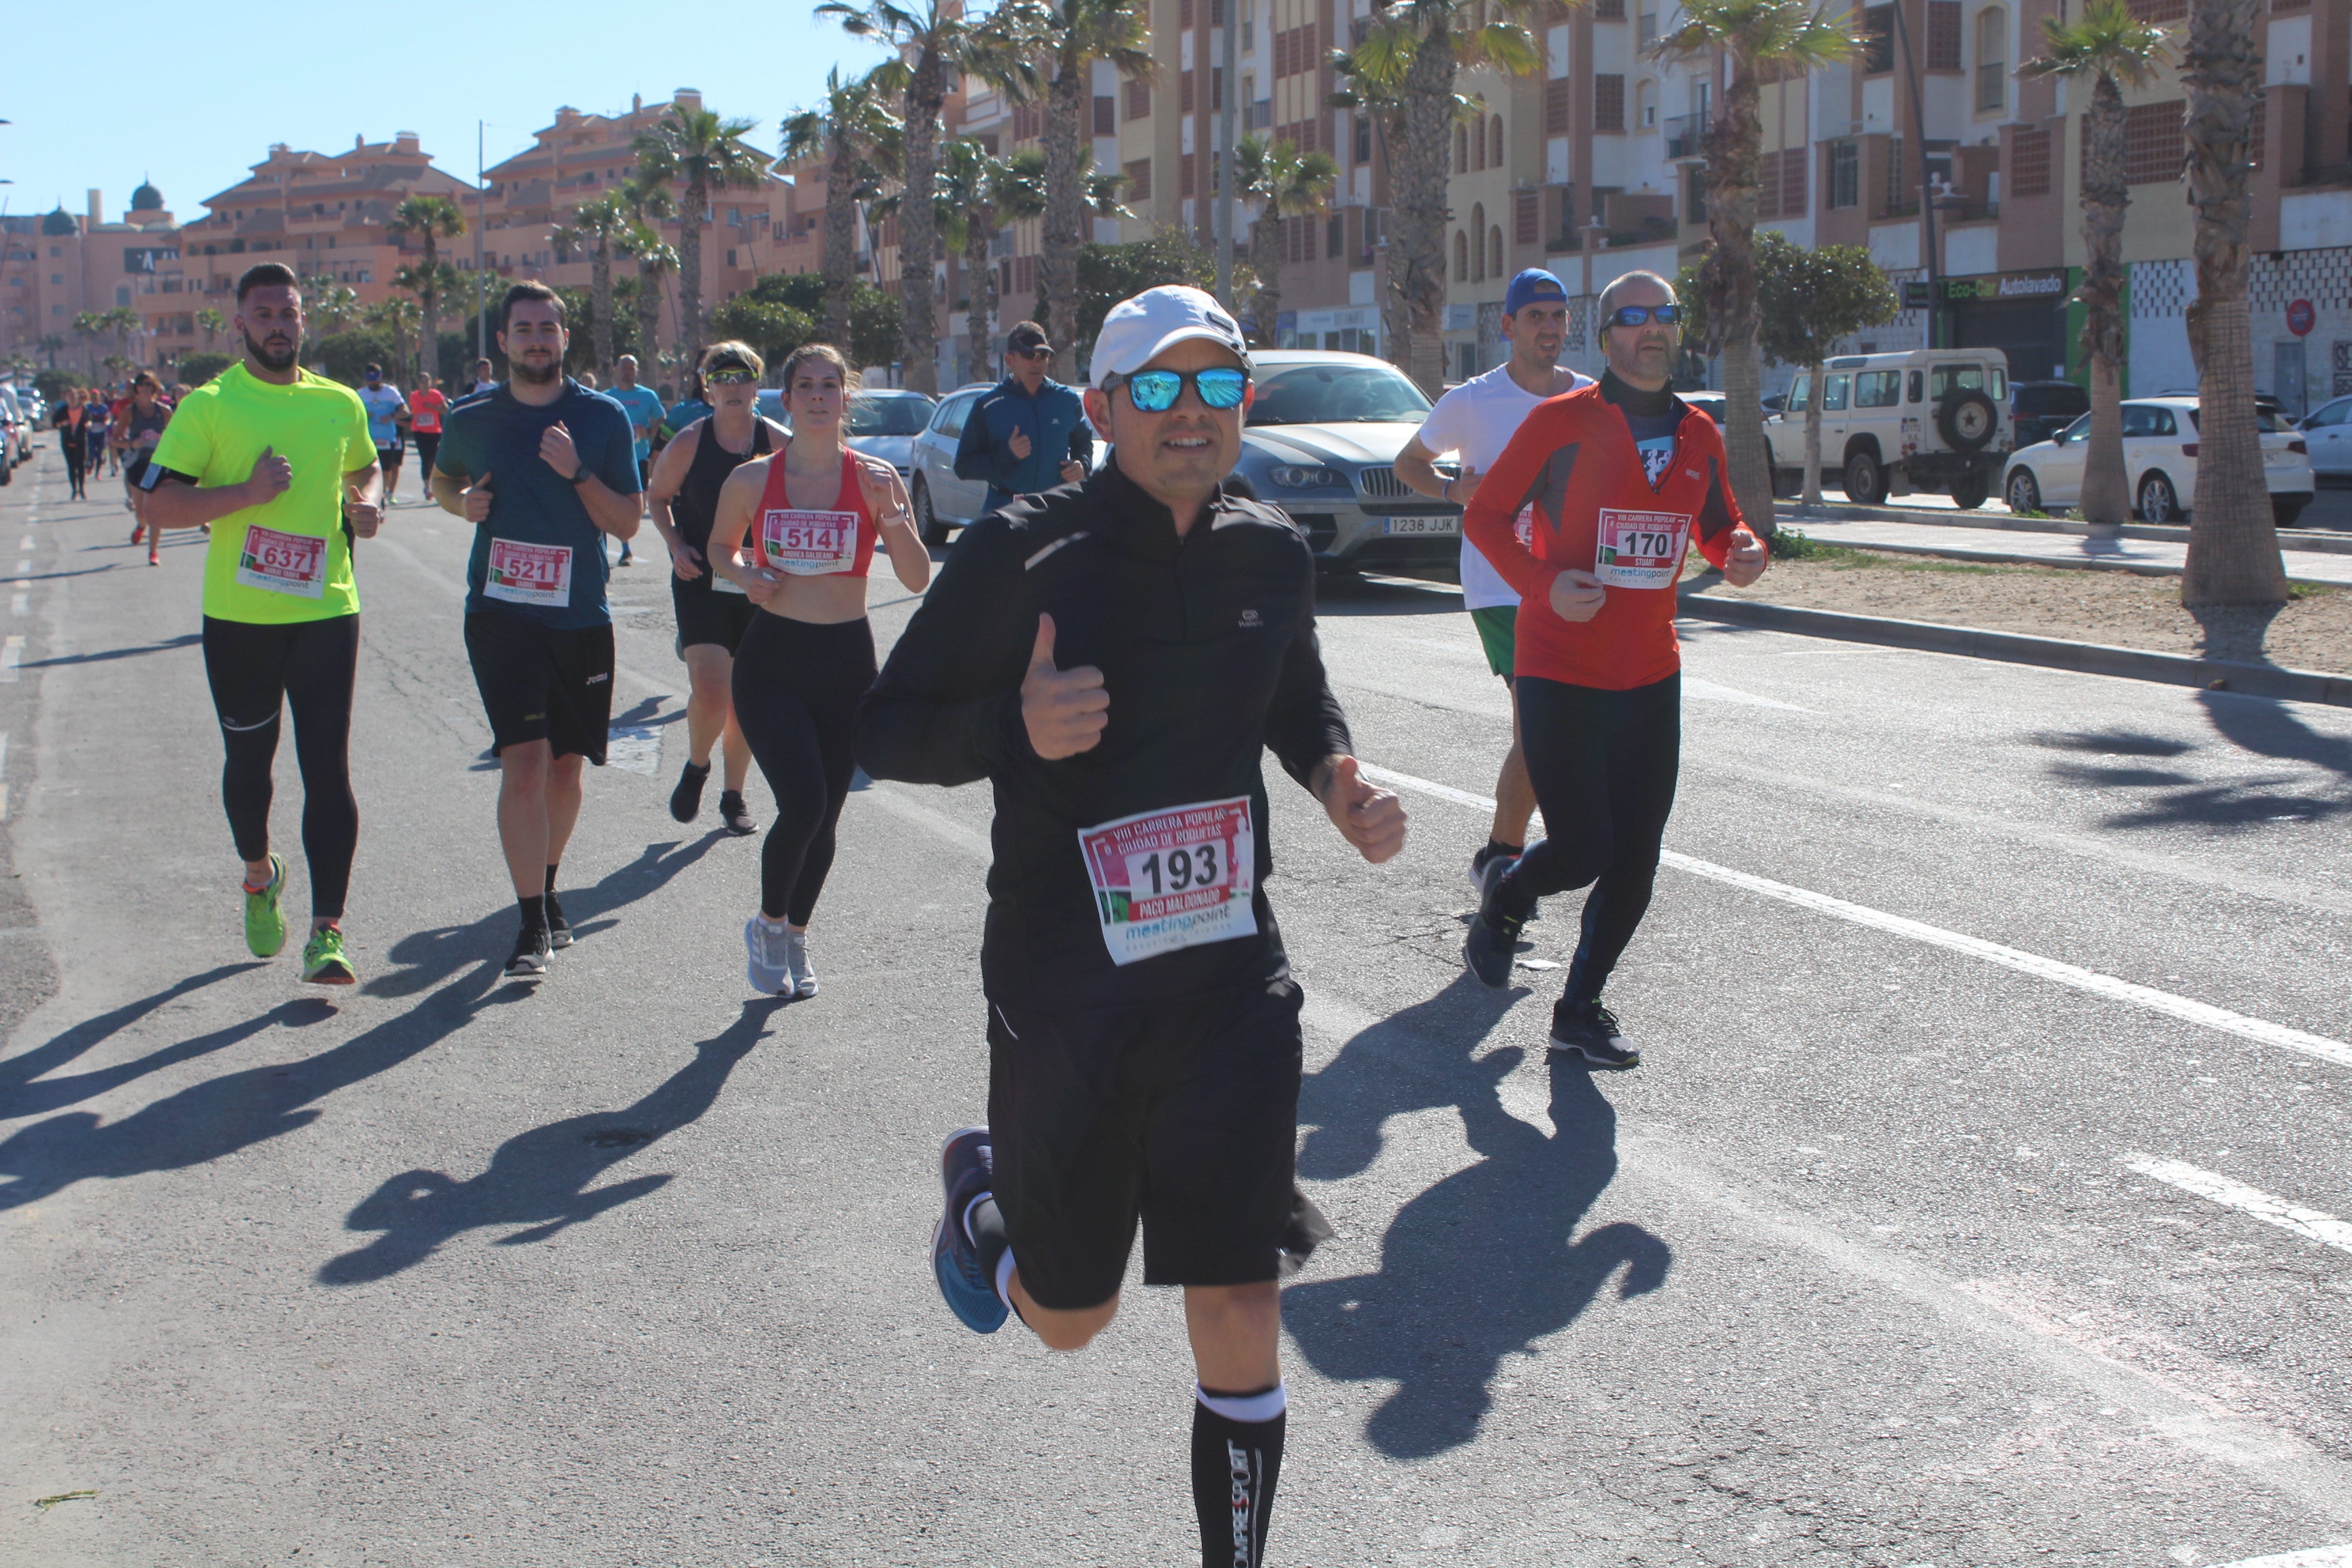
(137, 530)
(796, 960)
(627, 559)
(152, 558)
(265, 925)
(323, 963)
(1490, 858)
(769, 951)
(1494, 937)
(968, 1171)
(735, 813)
(686, 800)
(1588, 1029)
(559, 930)
(529, 960)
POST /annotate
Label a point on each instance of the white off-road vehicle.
(1931, 419)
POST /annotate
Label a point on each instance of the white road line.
(26, 564)
(18, 605)
(636, 747)
(2317, 1557)
(11, 652)
(2312, 1225)
(26, 542)
(2260, 1030)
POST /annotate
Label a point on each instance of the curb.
(2270, 680)
(2318, 540)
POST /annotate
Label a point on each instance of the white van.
(1931, 419)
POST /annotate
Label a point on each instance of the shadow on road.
(1338, 594)
(2177, 797)
(541, 1178)
(103, 655)
(21, 1095)
(1479, 1267)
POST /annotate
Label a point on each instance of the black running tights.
(307, 667)
(1603, 765)
(796, 688)
(74, 449)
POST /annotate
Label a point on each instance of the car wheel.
(1970, 490)
(2024, 495)
(1865, 481)
(2157, 502)
(928, 526)
(2285, 510)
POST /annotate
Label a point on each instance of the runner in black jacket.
(1114, 655)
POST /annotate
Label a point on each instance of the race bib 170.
(283, 562)
(808, 544)
(1177, 877)
(1639, 549)
(529, 573)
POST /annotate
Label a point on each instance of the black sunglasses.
(1635, 315)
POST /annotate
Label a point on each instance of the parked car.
(16, 434)
(1321, 443)
(1929, 419)
(882, 423)
(942, 502)
(2328, 430)
(2040, 409)
(1711, 403)
(2160, 461)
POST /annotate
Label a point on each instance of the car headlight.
(1292, 477)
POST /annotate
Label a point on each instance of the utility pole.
(1926, 188)
(1230, 49)
(481, 282)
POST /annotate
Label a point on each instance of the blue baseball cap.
(1530, 285)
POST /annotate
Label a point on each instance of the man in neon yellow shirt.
(279, 461)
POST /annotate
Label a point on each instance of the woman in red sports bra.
(813, 512)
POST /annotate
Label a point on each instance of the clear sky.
(191, 96)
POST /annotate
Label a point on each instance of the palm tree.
(2233, 555)
(1796, 36)
(703, 153)
(855, 134)
(648, 204)
(89, 326)
(983, 192)
(330, 306)
(52, 345)
(1404, 68)
(1083, 31)
(940, 44)
(400, 318)
(1285, 184)
(2112, 49)
(598, 228)
(429, 220)
(212, 323)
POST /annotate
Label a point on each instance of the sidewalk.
(2155, 557)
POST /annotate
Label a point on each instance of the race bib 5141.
(1176, 877)
(529, 573)
(1639, 549)
(808, 544)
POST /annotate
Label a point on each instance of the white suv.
(1931, 419)
(2161, 462)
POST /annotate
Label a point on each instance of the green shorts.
(1498, 629)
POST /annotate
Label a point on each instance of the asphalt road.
(1974, 1206)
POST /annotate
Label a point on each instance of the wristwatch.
(580, 476)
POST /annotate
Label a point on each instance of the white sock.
(1004, 1281)
(1247, 1407)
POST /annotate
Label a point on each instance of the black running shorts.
(1182, 1116)
(543, 683)
(706, 615)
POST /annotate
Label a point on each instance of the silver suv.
(1322, 441)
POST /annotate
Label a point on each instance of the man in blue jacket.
(1028, 433)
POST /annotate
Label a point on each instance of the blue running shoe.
(967, 1169)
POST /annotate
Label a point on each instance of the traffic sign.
(2301, 318)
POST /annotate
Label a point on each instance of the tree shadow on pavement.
(2178, 797)
(1480, 1266)
(541, 1178)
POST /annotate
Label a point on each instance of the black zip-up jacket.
(1208, 651)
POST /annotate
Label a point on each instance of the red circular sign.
(2301, 318)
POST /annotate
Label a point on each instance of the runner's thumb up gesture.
(1064, 709)
(363, 515)
(477, 501)
(1372, 820)
(1577, 595)
(271, 474)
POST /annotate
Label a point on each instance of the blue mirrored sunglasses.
(1635, 315)
(1156, 391)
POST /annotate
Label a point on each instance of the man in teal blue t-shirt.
(643, 407)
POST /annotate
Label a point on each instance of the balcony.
(1686, 135)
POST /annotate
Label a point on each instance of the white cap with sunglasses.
(1138, 331)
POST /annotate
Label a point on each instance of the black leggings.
(796, 689)
(74, 448)
(309, 667)
(1603, 765)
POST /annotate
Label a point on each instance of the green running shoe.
(265, 927)
(323, 963)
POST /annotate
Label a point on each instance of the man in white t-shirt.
(1476, 421)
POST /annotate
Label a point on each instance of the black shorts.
(1182, 1116)
(705, 614)
(387, 457)
(542, 683)
(133, 469)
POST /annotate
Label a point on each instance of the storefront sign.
(2301, 318)
(2007, 286)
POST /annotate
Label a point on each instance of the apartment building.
(58, 266)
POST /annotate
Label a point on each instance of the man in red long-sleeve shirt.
(1622, 475)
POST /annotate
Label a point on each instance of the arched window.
(1461, 149)
(1495, 143)
(1494, 249)
(1645, 106)
(1992, 60)
(1461, 256)
(1478, 242)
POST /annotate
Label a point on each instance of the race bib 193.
(1180, 877)
(283, 562)
(808, 544)
(529, 573)
(1639, 549)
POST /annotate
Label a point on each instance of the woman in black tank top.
(712, 612)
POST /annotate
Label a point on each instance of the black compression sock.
(550, 878)
(534, 912)
(1236, 1460)
(1499, 848)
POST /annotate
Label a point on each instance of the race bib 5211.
(1176, 877)
(1639, 549)
(808, 544)
(283, 562)
(529, 573)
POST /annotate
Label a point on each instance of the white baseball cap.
(1137, 331)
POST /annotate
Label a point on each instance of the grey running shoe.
(770, 952)
(796, 956)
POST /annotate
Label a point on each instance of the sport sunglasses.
(731, 378)
(1156, 391)
(1635, 315)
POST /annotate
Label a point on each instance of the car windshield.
(888, 415)
(1337, 395)
(1949, 378)
(2265, 421)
